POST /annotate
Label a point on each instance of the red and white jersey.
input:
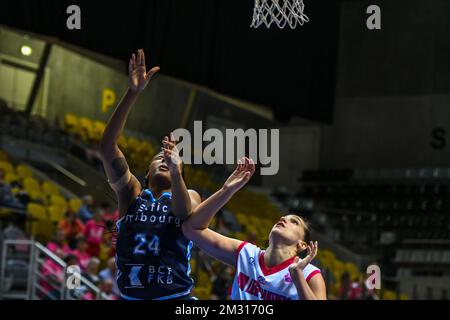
(255, 281)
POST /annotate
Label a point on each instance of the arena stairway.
(63, 168)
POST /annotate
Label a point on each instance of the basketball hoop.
(280, 12)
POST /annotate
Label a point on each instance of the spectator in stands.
(92, 154)
(91, 273)
(14, 232)
(108, 291)
(350, 290)
(87, 208)
(6, 196)
(71, 260)
(369, 294)
(52, 277)
(221, 226)
(356, 290)
(107, 247)
(93, 232)
(344, 286)
(2, 238)
(72, 227)
(110, 273)
(222, 283)
(109, 214)
(59, 243)
(81, 253)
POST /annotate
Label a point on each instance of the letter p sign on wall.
(108, 99)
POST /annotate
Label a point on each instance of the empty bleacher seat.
(7, 167)
(37, 211)
(75, 204)
(56, 213)
(50, 188)
(57, 200)
(71, 122)
(23, 171)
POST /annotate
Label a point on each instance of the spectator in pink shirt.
(109, 215)
(81, 253)
(93, 231)
(59, 243)
(53, 276)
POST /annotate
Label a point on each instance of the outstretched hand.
(300, 264)
(171, 154)
(138, 77)
(244, 171)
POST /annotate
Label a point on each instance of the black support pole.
(39, 77)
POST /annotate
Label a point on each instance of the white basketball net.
(280, 12)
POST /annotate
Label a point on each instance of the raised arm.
(184, 201)
(125, 185)
(314, 289)
(196, 226)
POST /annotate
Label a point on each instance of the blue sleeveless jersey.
(152, 254)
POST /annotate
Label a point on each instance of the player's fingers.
(167, 153)
(130, 65)
(143, 57)
(252, 166)
(316, 248)
(239, 167)
(138, 58)
(152, 72)
(169, 145)
(248, 167)
(313, 251)
(244, 164)
(170, 142)
(236, 171)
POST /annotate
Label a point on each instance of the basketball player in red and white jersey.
(275, 273)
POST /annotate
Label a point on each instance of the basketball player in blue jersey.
(274, 273)
(152, 254)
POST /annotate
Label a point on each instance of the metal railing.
(30, 271)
